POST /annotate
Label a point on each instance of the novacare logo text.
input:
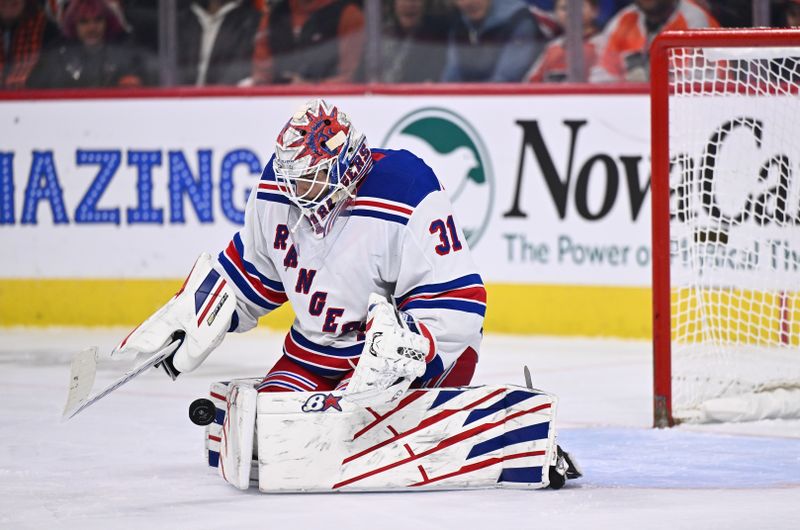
(571, 190)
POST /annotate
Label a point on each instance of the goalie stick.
(84, 367)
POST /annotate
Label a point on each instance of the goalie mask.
(319, 160)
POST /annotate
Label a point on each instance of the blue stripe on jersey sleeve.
(249, 267)
(399, 176)
(379, 215)
(432, 288)
(272, 197)
(242, 285)
(347, 351)
(455, 305)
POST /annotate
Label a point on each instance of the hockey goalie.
(371, 390)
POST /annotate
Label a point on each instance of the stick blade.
(528, 379)
(81, 379)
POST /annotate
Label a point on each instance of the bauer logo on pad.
(322, 402)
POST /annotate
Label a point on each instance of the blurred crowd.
(115, 43)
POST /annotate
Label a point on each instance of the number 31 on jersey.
(448, 236)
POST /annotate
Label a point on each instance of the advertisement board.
(552, 191)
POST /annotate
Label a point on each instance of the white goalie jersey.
(398, 237)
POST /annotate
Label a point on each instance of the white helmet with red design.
(319, 160)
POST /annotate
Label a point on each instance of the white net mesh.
(734, 133)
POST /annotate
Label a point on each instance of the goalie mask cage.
(725, 110)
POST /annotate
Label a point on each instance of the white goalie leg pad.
(202, 310)
(237, 436)
(451, 438)
(392, 358)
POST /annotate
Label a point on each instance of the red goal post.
(669, 53)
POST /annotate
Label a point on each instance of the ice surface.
(134, 460)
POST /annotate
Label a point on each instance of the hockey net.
(726, 225)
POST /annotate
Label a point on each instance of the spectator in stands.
(54, 9)
(309, 41)
(414, 43)
(142, 16)
(731, 13)
(552, 64)
(786, 69)
(25, 34)
(628, 36)
(605, 8)
(547, 22)
(215, 42)
(491, 40)
(92, 56)
(792, 13)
